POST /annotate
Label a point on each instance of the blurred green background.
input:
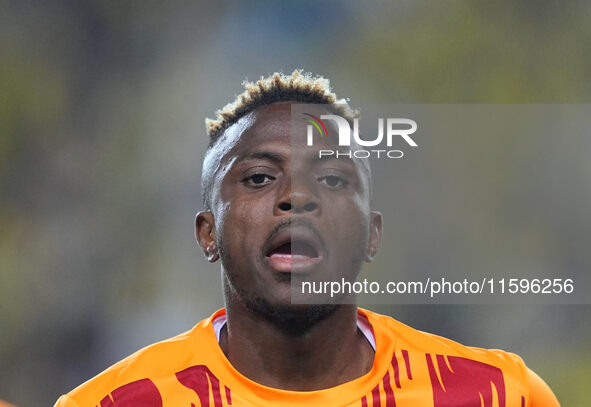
(101, 138)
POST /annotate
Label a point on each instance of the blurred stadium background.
(101, 138)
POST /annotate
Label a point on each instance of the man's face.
(279, 214)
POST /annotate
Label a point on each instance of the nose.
(298, 198)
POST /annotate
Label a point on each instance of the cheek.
(239, 225)
(351, 229)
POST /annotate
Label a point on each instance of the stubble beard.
(292, 319)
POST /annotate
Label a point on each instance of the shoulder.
(540, 393)
(415, 340)
(449, 363)
(159, 359)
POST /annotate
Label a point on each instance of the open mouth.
(294, 249)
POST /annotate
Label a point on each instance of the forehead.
(272, 129)
(271, 125)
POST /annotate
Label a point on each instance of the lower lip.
(292, 263)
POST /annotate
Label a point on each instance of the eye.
(257, 180)
(333, 181)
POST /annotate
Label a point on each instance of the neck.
(330, 352)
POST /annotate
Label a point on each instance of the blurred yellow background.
(101, 138)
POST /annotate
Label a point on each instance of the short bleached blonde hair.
(299, 86)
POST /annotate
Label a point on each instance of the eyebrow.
(330, 157)
(343, 158)
(263, 155)
(279, 158)
(365, 166)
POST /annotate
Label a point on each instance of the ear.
(375, 235)
(205, 235)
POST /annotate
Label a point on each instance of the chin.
(293, 319)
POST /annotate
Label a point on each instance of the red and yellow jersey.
(411, 368)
